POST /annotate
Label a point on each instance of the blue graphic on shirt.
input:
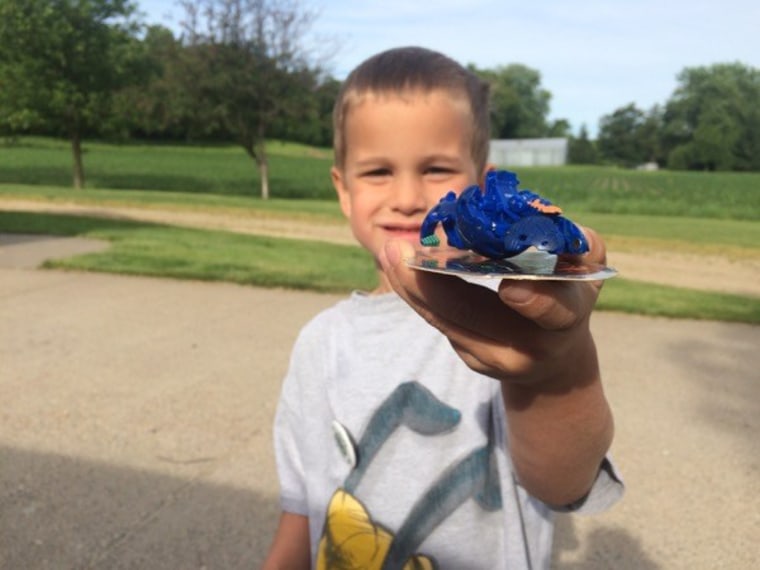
(352, 539)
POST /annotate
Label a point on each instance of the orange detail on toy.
(545, 208)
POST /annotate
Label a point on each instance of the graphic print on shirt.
(352, 539)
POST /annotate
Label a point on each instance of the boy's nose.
(409, 196)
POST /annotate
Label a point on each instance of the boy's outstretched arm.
(290, 548)
(534, 337)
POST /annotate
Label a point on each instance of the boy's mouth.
(406, 232)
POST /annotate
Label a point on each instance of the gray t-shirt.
(394, 449)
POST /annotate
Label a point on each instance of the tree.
(650, 136)
(314, 127)
(519, 105)
(161, 106)
(712, 121)
(581, 150)
(559, 128)
(247, 68)
(61, 62)
(628, 136)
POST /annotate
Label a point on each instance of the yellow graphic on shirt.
(352, 541)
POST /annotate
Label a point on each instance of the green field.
(298, 171)
(221, 170)
(722, 195)
(710, 213)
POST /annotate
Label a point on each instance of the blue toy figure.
(502, 221)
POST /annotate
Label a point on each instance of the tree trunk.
(76, 151)
(258, 152)
(263, 163)
(264, 174)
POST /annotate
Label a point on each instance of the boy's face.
(402, 155)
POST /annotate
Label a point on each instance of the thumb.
(394, 253)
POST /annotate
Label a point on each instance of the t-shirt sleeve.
(288, 458)
(608, 488)
(288, 426)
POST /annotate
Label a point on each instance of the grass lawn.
(165, 251)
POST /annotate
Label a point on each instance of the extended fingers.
(597, 251)
(552, 305)
(512, 334)
(488, 336)
(557, 305)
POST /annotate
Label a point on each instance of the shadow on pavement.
(63, 512)
(725, 368)
(602, 549)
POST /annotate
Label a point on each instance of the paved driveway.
(135, 428)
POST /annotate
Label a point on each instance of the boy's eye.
(376, 172)
(438, 171)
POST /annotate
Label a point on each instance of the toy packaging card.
(531, 264)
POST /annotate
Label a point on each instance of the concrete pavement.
(135, 427)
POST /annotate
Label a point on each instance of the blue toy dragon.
(502, 221)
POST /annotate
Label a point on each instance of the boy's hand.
(530, 332)
(535, 337)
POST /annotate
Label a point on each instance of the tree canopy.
(628, 136)
(519, 104)
(61, 62)
(712, 121)
(581, 149)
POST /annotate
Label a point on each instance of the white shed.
(528, 152)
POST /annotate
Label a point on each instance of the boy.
(444, 441)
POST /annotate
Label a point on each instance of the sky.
(593, 56)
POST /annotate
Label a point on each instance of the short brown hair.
(409, 69)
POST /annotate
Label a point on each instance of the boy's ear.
(344, 196)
